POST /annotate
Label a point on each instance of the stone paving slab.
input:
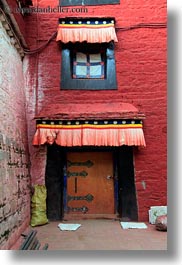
(101, 235)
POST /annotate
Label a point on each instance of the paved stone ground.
(101, 235)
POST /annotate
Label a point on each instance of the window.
(88, 66)
(87, 53)
(87, 2)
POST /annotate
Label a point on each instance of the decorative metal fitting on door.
(83, 209)
(87, 163)
(82, 174)
(109, 177)
(89, 197)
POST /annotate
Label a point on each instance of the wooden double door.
(90, 184)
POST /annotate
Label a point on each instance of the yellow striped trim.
(114, 126)
(85, 25)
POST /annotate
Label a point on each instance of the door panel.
(54, 182)
(127, 207)
(90, 183)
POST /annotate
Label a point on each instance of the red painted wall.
(141, 75)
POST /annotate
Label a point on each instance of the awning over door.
(88, 124)
(92, 30)
(90, 133)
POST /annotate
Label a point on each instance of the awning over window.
(92, 30)
(90, 133)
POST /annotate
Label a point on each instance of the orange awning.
(91, 30)
(90, 133)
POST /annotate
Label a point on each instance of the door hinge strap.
(89, 197)
(83, 209)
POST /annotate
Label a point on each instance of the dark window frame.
(87, 2)
(69, 83)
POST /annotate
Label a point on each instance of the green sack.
(38, 206)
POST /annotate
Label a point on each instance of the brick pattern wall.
(14, 160)
(142, 80)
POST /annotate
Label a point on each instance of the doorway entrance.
(90, 182)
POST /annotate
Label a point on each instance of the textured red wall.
(141, 75)
(13, 9)
(14, 154)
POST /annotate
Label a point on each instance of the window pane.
(80, 71)
(96, 71)
(94, 58)
(81, 57)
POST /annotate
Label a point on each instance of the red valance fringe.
(90, 35)
(90, 137)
